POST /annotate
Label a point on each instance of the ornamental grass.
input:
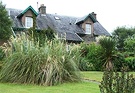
(28, 63)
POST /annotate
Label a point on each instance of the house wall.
(29, 13)
(90, 22)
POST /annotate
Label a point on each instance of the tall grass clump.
(30, 63)
(2, 55)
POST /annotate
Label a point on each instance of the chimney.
(94, 15)
(42, 9)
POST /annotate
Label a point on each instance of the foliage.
(129, 44)
(121, 33)
(114, 82)
(90, 57)
(130, 62)
(108, 48)
(47, 65)
(40, 35)
(2, 55)
(118, 61)
(5, 23)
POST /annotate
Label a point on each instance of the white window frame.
(28, 22)
(87, 28)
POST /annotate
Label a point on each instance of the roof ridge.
(24, 11)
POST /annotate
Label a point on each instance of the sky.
(110, 13)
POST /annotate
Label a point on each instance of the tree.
(108, 47)
(121, 33)
(129, 44)
(5, 23)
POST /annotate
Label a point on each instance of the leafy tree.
(5, 23)
(121, 33)
(129, 44)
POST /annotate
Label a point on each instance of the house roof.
(29, 8)
(59, 23)
(82, 19)
(62, 24)
(100, 30)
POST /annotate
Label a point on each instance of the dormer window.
(87, 28)
(28, 22)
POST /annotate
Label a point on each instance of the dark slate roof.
(60, 24)
(70, 36)
(63, 24)
(100, 30)
(82, 19)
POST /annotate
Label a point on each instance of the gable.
(26, 10)
(87, 21)
(83, 19)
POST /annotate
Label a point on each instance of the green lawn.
(81, 87)
(95, 75)
(92, 75)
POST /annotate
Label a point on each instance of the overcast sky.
(110, 13)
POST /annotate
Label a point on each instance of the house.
(74, 29)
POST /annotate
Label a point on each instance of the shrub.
(114, 82)
(90, 57)
(86, 65)
(47, 65)
(129, 45)
(130, 62)
(119, 61)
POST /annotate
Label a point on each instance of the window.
(28, 22)
(88, 28)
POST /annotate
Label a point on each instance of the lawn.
(95, 75)
(81, 87)
(92, 75)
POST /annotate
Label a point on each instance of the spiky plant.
(47, 65)
(108, 46)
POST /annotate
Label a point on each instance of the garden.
(40, 61)
(31, 64)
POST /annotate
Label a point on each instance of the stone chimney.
(42, 9)
(94, 15)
